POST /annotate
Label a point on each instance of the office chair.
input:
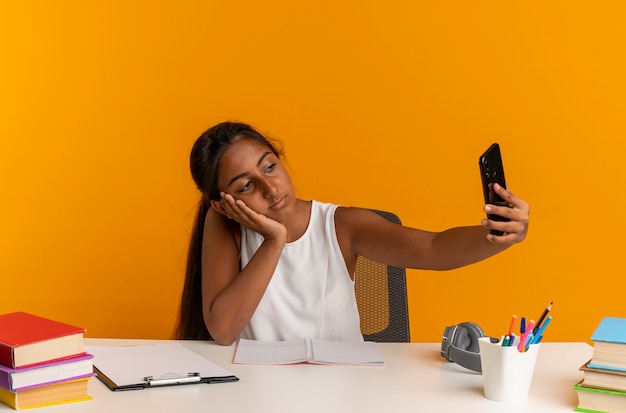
(381, 298)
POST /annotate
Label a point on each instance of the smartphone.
(491, 172)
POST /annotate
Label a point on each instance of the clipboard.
(154, 365)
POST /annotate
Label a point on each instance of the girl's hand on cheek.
(238, 210)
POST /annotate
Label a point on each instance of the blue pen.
(512, 339)
(541, 330)
(522, 326)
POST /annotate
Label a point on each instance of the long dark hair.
(205, 158)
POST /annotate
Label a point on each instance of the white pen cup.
(507, 373)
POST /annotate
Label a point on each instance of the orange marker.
(512, 324)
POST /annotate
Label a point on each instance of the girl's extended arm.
(362, 232)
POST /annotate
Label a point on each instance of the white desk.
(414, 379)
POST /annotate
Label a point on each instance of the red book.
(27, 339)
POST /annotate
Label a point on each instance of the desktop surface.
(414, 379)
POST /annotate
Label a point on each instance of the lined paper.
(308, 351)
(335, 352)
(270, 352)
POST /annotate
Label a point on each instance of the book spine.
(8, 398)
(6, 355)
(5, 380)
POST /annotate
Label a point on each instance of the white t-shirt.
(311, 294)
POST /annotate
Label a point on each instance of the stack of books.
(42, 362)
(603, 387)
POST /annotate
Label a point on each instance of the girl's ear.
(217, 206)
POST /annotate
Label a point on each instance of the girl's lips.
(278, 204)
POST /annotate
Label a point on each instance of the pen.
(512, 340)
(541, 329)
(522, 326)
(543, 316)
(505, 341)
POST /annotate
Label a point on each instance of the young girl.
(266, 265)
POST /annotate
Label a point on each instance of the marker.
(522, 326)
(512, 324)
(543, 316)
(539, 333)
(522, 341)
(512, 340)
(529, 340)
(505, 342)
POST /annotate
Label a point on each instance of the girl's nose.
(270, 189)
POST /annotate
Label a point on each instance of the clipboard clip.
(172, 378)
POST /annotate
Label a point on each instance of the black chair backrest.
(382, 298)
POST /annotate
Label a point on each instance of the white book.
(308, 351)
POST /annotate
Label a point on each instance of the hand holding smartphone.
(491, 172)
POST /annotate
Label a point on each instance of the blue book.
(611, 329)
(609, 344)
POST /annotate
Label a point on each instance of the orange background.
(381, 105)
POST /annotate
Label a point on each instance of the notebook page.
(270, 352)
(347, 353)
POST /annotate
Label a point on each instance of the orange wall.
(383, 106)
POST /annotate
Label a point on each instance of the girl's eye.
(246, 186)
(270, 167)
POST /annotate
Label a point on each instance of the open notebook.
(308, 351)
